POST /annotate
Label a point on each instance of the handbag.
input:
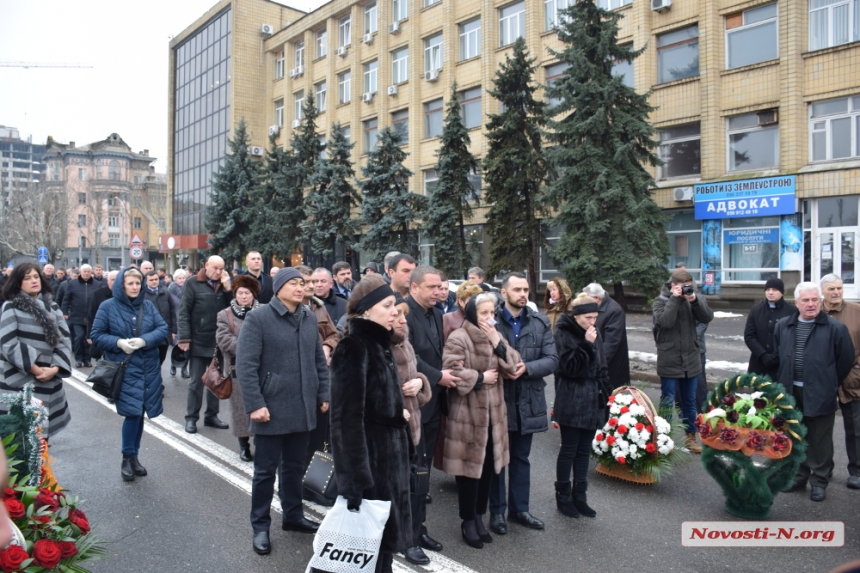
(215, 380)
(319, 484)
(107, 375)
(419, 480)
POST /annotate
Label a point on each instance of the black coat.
(758, 335)
(581, 381)
(163, 301)
(59, 292)
(428, 351)
(612, 326)
(370, 437)
(266, 286)
(102, 294)
(198, 313)
(827, 360)
(525, 397)
(76, 301)
(335, 305)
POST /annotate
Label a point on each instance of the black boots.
(563, 499)
(245, 450)
(138, 469)
(579, 500)
(131, 467)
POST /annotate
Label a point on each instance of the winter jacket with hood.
(675, 318)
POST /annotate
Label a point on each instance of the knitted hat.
(284, 276)
(775, 283)
(245, 281)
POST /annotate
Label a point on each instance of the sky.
(125, 92)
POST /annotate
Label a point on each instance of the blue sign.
(746, 198)
(43, 259)
(42, 251)
(750, 236)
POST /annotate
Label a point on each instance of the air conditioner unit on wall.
(431, 76)
(367, 39)
(394, 27)
(267, 29)
(683, 193)
(342, 51)
(296, 123)
(392, 90)
(296, 72)
(367, 98)
(768, 117)
(660, 5)
(257, 151)
(274, 130)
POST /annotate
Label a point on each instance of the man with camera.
(676, 312)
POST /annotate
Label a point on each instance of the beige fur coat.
(407, 369)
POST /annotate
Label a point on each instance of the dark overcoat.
(581, 381)
(612, 326)
(198, 312)
(758, 335)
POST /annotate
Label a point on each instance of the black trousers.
(196, 389)
(574, 453)
(818, 466)
(418, 502)
(474, 494)
(288, 452)
(162, 353)
(851, 421)
(318, 437)
(79, 342)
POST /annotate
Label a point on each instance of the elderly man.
(761, 323)
(203, 297)
(815, 355)
(343, 282)
(400, 273)
(274, 271)
(53, 281)
(76, 304)
(612, 326)
(848, 313)
(146, 267)
(476, 275)
(323, 290)
(386, 262)
(254, 263)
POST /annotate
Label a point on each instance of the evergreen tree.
(613, 229)
(450, 204)
(388, 207)
(228, 218)
(332, 198)
(515, 168)
(306, 142)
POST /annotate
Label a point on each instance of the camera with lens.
(687, 290)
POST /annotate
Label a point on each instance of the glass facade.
(201, 120)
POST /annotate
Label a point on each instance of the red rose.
(650, 447)
(705, 430)
(755, 441)
(42, 518)
(46, 499)
(624, 409)
(650, 429)
(611, 399)
(779, 441)
(77, 517)
(598, 437)
(728, 435)
(610, 440)
(12, 557)
(622, 429)
(9, 492)
(67, 549)
(46, 553)
(621, 460)
(613, 422)
(15, 508)
(640, 426)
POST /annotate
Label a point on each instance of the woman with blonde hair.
(451, 321)
(557, 300)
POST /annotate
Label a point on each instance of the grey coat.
(281, 366)
(227, 339)
(675, 318)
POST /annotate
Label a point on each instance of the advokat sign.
(745, 198)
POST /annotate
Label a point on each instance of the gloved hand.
(137, 343)
(125, 345)
(769, 360)
(353, 503)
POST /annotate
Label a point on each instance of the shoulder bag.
(319, 485)
(107, 375)
(214, 378)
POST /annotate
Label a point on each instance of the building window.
(431, 177)
(833, 22)
(113, 240)
(744, 261)
(753, 141)
(433, 53)
(751, 36)
(322, 43)
(138, 223)
(399, 10)
(512, 23)
(834, 129)
(55, 167)
(161, 223)
(322, 140)
(685, 243)
(82, 198)
(113, 170)
(343, 87)
(475, 182)
(83, 242)
(113, 221)
(430, 2)
(548, 266)
(82, 174)
(680, 150)
(678, 54)
(553, 74)
(300, 54)
(344, 32)
(433, 119)
(347, 133)
(320, 90)
(138, 178)
(400, 65)
(113, 201)
(370, 18)
(400, 124)
(625, 70)
(612, 4)
(371, 134)
(299, 104)
(470, 39)
(470, 100)
(279, 112)
(551, 10)
(82, 220)
(279, 65)
(371, 76)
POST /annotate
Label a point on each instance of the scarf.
(30, 305)
(240, 311)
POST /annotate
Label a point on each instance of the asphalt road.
(191, 512)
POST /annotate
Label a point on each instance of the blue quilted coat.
(141, 389)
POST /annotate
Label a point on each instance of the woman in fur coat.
(476, 436)
(370, 433)
(581, 383)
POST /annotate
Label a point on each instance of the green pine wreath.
(751, 485)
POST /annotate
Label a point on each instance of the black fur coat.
(370, 436)
(581, 381)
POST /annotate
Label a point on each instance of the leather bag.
(319, 483)
(219, 384)
(107, 375)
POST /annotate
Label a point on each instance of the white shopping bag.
(348, 541)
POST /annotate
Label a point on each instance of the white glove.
(125, 345)
(137, 343)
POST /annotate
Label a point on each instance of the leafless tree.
(34, 217)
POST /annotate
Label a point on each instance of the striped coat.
(22, 344)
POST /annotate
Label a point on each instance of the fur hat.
(245, 281)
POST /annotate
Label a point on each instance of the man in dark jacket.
(761, 322)
(530, 334)
(254, 262)
(679, 361)
(323, 283)
(612, 326)
(52, 280)
(102, 294)
(815, 355)
(203, 297)
(76, 305)
(60, 295)
(162, 300)
(284, 380)
(343, 283)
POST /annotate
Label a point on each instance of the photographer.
(676, 312)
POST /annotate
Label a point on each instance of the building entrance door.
(837, 254)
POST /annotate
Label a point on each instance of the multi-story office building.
(21, 162)
(758, 109)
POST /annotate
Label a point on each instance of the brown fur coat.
(407, 369)
(470, 411)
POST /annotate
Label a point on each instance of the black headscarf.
(471, 312)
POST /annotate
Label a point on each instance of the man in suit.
(425, 335)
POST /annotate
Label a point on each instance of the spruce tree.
(306, 142)
(388, 208)
(228, 217)
(515, 168)
(450, 205)
(331, 199)
(613, 230)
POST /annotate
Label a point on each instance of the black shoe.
(427, 499)
(214, 422)
(470, 535)
(580, 500)
(564, 499)
(245, 452)
(127, 470)
(817, 493)
(138, 469)
(853, 482)
(78, 364)
(191, 426)
(185, 373)
(428, 542)
(482, 531)
(527, 519)
(261, 543)
(303, 526)
(173, 370)
(498, 523)
(416, 555)
(796, 486)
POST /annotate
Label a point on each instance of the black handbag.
(319, 484)
(107, 375)
(419, 480)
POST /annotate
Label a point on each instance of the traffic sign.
(43, 259)
(42, 251)
(136, 240)
(136, 252)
